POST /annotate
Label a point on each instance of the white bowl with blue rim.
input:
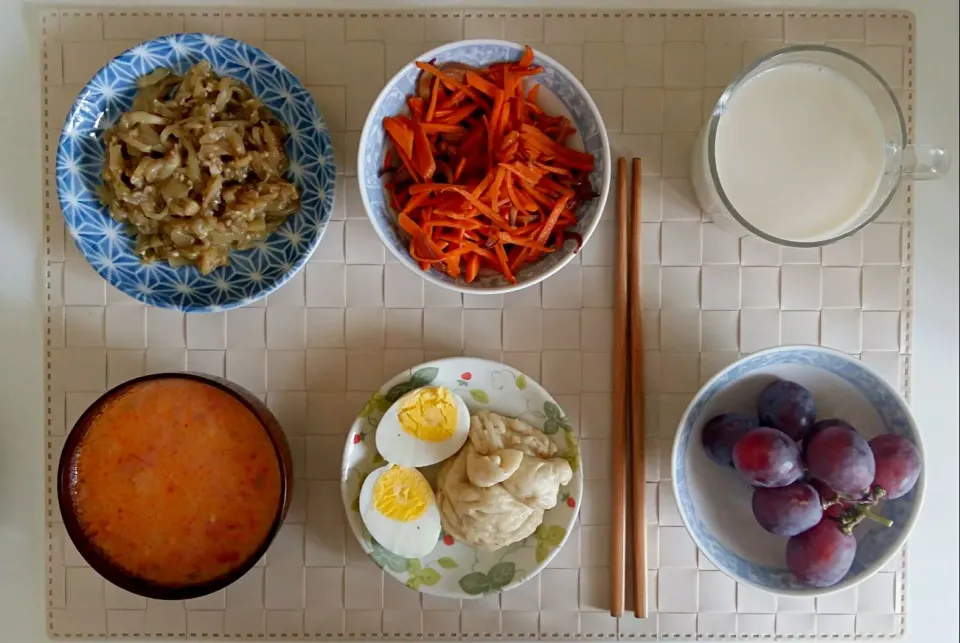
(560, 93)
(714, 502)
(104, 242)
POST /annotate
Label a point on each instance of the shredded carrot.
(434, 95)
(480, 175)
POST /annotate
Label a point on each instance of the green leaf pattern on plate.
(419, 378)
(420, 575)
(389, 560)
(572, 451)
(376, 405)
(499, 576)
(480, 395)
(548, 538)
(521, 381)
(447, 563)
(556, 420)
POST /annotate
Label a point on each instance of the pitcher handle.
(924, 162)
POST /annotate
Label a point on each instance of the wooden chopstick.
(618, 561)
(637, 451)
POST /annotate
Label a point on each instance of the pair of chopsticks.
(627, 431)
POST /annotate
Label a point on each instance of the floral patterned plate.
(454, 569)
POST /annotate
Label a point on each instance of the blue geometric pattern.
(875, 546)
(478, 53)
(252, 273)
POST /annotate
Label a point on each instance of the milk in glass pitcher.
(806, 147)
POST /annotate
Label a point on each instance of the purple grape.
(898, 464)
(766, 457)
(787, 511)
(787, 406)
(722, 432)
(841, 459)
(820, 426)
(826, 495)
(821, 556)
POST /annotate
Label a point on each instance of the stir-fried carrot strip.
(527, 58)
(452, 101)
(442, 128)
(455, 115)
(400, 134)
(518, 203)
(476, 80)
(407, 163)
(509, 186)
(408, 225)
(449, 81)
(459, 169)
(495, 187)
(469, 224)
(482, 207)
(552, 169)
(552, 219)
(509, 91)
(504, 266)
(472, 268)
(537, 195)
(524, 171)
(495, 117)
(426, 165)
(415, 103)
(580, 160)
(434, 95)
(452, 263)
(415, 201)
(481, 186)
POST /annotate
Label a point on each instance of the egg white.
(407, 539)
(399, 447)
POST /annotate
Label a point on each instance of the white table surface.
(933, 549)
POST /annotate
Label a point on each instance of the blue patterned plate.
(252, 273)
(715, 503)
(560, 93)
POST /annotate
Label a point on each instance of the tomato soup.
(176, 482)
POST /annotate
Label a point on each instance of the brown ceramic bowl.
(67, 481)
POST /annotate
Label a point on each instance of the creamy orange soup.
(176, 482)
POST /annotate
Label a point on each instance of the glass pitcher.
(889, 158)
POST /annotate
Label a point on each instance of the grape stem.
(877, 518)
(858, 509)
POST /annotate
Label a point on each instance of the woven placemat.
(320, 345)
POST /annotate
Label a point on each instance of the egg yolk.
(429, 414)
(402, 494)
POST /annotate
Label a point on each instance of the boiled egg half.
(400, 511)
(424, 427)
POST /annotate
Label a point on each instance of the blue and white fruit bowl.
(560, 94)
(715, 502)
(104, 242)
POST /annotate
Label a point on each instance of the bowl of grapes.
(799, 471)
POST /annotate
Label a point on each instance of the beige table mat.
(321, 344)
